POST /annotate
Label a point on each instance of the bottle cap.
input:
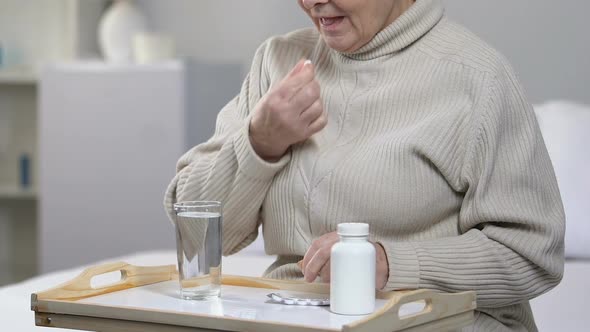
(353, 229)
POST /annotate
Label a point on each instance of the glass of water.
(198, 245)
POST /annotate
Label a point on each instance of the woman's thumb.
(299, 66)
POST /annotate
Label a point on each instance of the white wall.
(23, 22)
(223, 30)
(545, 40)
(34, 32)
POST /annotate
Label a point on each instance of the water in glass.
(198, 241)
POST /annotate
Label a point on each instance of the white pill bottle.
(352, 271)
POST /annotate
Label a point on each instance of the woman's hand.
(316, 261)
(289, 113)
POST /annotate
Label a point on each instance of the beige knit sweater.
(430, 140)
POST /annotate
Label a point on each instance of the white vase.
(119, 24)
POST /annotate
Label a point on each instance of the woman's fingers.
(277, 121)
(313, 112)
(309, 255)
(297, 68)
(382, 266)
(306, 96)
(296, 80)
(317, 125)
(325, 272)
(318, 255)
(315, 246)
(317, 262)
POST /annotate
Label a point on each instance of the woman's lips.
(331, 23)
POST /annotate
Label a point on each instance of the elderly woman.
(400, 119)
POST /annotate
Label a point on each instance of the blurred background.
(98, 99)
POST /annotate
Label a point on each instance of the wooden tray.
(147, 299)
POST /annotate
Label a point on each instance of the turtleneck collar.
(422, 16)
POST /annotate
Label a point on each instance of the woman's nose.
(309, 4)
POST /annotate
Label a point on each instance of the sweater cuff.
(250, 163)
(404, 266)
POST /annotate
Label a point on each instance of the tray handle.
(437, 306)
(131, 276)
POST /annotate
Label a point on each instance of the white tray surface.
(236, 302)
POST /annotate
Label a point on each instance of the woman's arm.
(227, 169)
(511, 220)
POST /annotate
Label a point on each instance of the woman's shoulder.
(280, 53)
(299, 42)
(452, 42)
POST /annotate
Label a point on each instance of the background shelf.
(17, 77)
(13, 192)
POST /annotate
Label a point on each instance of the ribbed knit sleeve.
(511, 221)
(227, 169)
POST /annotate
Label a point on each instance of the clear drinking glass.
(198, 244)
